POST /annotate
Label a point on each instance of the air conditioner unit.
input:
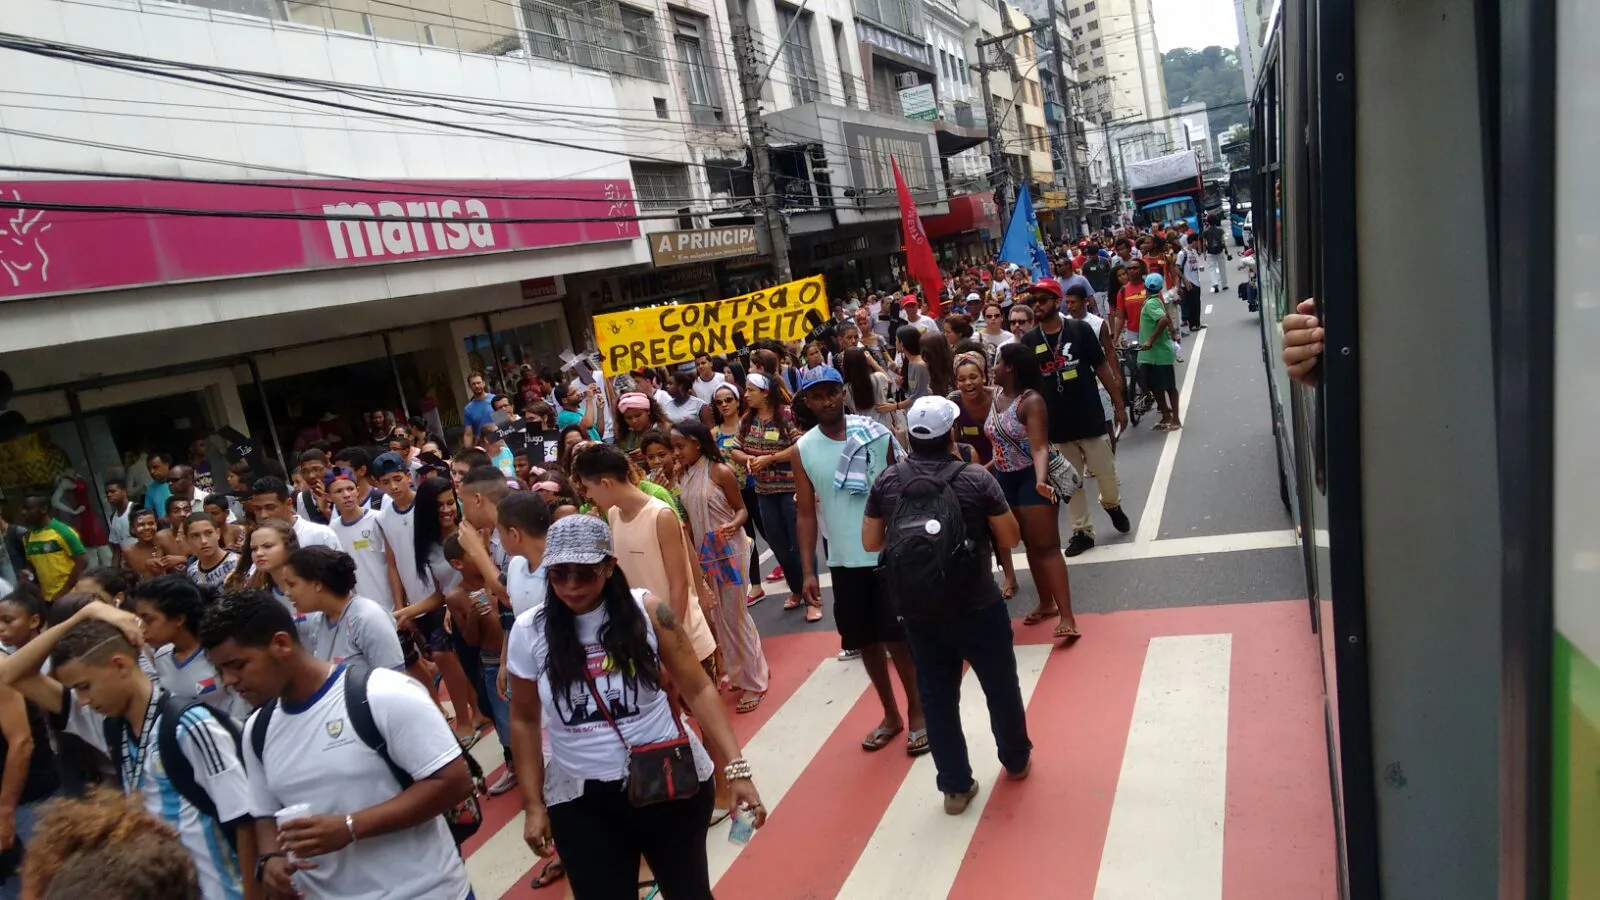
(905, 79)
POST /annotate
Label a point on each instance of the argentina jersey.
(212, 753)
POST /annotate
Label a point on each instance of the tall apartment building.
(1121, 60)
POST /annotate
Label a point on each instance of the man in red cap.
(912, 304)
(1070, 358)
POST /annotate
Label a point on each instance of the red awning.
(968, 212)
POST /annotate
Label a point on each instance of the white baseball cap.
(973, 297)
(931, 417)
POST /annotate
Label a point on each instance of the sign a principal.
(678, 332)
(672, 248)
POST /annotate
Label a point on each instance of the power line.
(50, 206)
(118, 62)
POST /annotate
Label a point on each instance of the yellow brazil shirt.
(51, 551)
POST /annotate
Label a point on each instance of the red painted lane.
(1279, 838)
(1043, 836)
(791, 659)
(816, 835)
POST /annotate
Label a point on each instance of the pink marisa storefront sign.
(285, 226)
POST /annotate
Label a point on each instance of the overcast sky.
(1195, 23)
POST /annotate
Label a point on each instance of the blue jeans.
(981, 637)
(778, 527)
(499, 707)
(27, 819)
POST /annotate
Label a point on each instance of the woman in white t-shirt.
(994, 333)
(339, 625)
(591, 661)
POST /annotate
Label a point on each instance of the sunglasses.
(573, 574)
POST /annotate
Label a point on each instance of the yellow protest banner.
(676, 333)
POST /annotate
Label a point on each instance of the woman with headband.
(767, 436)
(636, 414)
(974, 398)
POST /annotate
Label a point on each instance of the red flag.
(919, 253)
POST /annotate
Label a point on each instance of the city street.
(1178, 746)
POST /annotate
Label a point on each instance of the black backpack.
(927, 552)
(180, 772)
(464, 819)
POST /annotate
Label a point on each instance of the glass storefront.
(537, 345)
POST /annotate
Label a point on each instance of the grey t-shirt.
(365, 632)
(980, 497)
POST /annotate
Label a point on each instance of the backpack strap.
(359, 709)
(112, 730)
(258, 729)
(180, 772)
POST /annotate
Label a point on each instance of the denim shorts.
(1019, 488)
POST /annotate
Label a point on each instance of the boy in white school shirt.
(366, 837)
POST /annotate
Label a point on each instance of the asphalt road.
(1217, 493)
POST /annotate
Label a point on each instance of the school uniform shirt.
(310, 534)
(195, 678)
(306, 508)
(214, 576)
(527, 586)
(312, 755)
(437, 575)
(363, 540)
(211, 750)
(364, 633)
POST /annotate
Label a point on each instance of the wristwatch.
(261, 865)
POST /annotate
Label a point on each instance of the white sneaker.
(503, 784)
(847, 655)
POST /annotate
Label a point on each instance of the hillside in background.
(1210, 76)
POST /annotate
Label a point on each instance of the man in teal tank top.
(857, 450)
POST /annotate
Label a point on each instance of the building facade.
(337, 216)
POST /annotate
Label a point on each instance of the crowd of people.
(287, 672)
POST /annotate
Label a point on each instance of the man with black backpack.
(931, 517)
(1217, 256)
(358, 788)
(181, 756)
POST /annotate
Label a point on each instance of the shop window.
(538, 346)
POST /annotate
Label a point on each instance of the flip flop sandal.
(813, 614)
(1034, 618)
(879, 738)
(749, 704)
(1068, 633)
(548, 874)
(468, 741)
(917, 742)
(793, 602)
(1009, 591)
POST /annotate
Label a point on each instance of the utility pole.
(1066, 107)
(1002, 175)
(750, 79)
(996, 164)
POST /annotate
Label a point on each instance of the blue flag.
(1023, 245)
